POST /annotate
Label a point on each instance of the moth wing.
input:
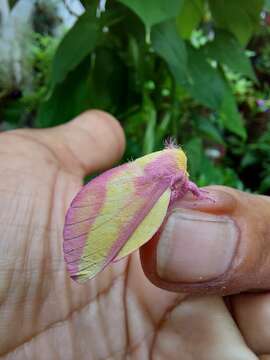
(106, 215)
(148, 227)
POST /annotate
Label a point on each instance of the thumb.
(92, 141)
(221, 248)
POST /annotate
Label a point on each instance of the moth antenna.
(130, 160)
(170, 143)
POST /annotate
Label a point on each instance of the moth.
(121, 209)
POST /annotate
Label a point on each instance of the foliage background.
(194, 70)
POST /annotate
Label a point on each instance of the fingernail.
(195, 246)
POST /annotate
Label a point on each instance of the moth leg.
(177, 179)
(200, 194)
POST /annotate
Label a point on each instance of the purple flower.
(260, 102)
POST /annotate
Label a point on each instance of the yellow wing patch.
(148, 227)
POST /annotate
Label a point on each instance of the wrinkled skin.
(119, 314)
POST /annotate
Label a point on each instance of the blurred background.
(194, 70)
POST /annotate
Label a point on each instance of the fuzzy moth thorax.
(181, 160)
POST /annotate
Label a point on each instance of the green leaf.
(209, 130)
(79, 41)
(248, 159)
(68, 98)
(150, 119)
(163, 126)
(240, 17)
(230, 116)
(267, 5)
(227, 50)
(265, 184)
(205, 83)
(190, 15)
(194, 151)
(12, 3)
(204, 171)
(188, 66)
(86, 3)
(154, 11)
(107, 81)
(167, 43)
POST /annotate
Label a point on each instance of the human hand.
(119, 314)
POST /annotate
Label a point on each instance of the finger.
(252, 314)
(92, 141)
(220, 247)
(203, 329)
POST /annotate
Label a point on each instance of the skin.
(120, 314)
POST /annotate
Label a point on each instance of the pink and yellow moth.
(121, 209)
